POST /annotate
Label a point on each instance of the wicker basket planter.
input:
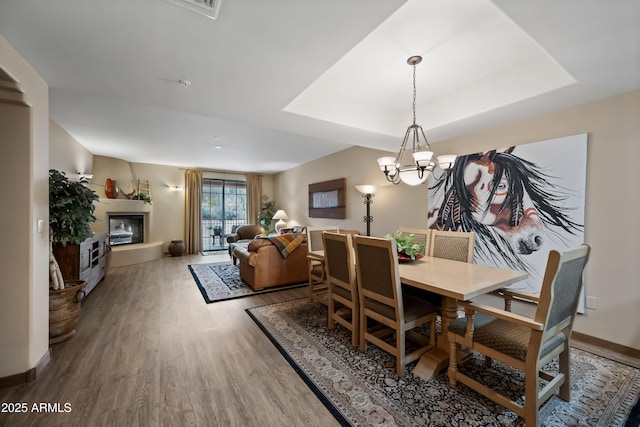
(64, 309)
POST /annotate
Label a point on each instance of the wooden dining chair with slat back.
(385, 311)
(317, 275)
(526, 344)
(339, 264)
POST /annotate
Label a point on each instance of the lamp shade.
(280, 214)
(412, 177)
(366, 189)
(422, 158)
(387, 162)
(446, 161)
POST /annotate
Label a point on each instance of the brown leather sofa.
(262, 266)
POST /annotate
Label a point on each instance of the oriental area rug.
(221, 281)
(362, 388)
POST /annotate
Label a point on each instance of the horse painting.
(511, 204)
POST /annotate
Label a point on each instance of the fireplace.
(126, 229)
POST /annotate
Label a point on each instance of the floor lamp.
(368, 193)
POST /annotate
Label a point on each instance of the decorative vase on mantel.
(111, 189)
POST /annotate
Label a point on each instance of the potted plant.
(70, 215)
(141, 196)
(408, 249)
(266, 214)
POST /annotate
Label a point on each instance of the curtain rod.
(218, 171)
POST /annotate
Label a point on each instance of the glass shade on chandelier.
(413, 163)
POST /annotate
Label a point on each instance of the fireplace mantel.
(125, 205)
(128, 254)
(105, 207)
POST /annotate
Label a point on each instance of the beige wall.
(168, 205)
(24, 256)
(392, 205)
(611, 227)
(66, 154)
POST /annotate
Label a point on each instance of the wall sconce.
(281, 216)
(176, 187)
(368, 194)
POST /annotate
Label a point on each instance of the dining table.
(455, 281)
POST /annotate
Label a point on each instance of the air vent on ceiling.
(208, 8)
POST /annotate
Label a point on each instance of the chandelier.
(413, 164)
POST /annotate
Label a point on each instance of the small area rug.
(362, 388)
(221, 281)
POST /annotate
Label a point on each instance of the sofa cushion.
(256, 244)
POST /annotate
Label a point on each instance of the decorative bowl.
(406, 258)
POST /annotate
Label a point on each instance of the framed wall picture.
(328, 199)
(520, 201)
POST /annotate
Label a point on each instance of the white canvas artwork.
(521, 202)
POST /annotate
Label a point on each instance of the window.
(224, 207)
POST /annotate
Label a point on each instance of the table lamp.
(280, 216)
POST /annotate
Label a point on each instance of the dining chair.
(339, 263)
(454, 245)
(317, 286)
(423, 235)
(390, 310)
(510, 295)
(526, 344)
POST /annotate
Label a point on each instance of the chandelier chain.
(414, 94)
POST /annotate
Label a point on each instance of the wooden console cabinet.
(85, 261)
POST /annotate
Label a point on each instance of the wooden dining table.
(455, 281)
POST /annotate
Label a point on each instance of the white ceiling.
(279, 83)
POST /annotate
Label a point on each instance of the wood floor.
(149, 352)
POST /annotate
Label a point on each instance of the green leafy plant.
(141, 196)
(265, 216)
(70, 209)
(70, 216)
(406, 244)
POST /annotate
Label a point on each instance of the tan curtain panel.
(254, 197)
(193, 211)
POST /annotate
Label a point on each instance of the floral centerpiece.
(408, 249)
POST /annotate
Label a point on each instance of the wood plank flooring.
(149, 352)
